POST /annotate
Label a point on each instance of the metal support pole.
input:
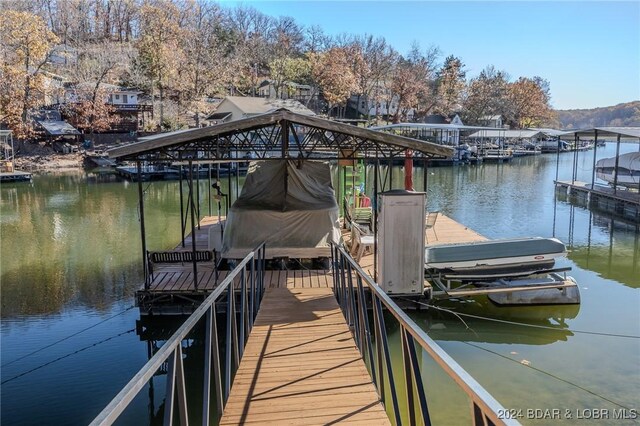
(170, 389)
(557, 157)
(182, 220)
(209, 191)
(375, 221)
(193, 227)
(143, 237)
(595, 150)
(425, 178)
(408, 380)
(182, 391)
(228, 344)
(243, 310)
(237, 175)
(378, 366)
(615, 177)
(391, 172)
(230, 191)
(576, 140)
(198, 196)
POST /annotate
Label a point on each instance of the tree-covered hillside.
(627, 114)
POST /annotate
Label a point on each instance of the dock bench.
(154, 257)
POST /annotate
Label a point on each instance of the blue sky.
(588, 50)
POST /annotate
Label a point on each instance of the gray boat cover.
(286, 206)
(629, 161)
(493, 249)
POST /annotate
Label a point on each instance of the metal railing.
(350, 282)
(251, 289)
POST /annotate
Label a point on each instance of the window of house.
(118, 97)
(110, 99)
(124, 99)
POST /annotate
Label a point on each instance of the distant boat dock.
(622, 203)
(622, 197)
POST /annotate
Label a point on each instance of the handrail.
(486, 410)
(251, 292)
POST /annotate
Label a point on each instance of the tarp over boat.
(518, 253)
(290, 206)
(629, 161)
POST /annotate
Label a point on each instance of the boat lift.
(510, 272)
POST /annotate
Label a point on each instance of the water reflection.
(602, 243)
(75, 239)
(540, 325)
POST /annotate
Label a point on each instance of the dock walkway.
(301, 365)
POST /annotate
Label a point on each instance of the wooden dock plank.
(301, 365)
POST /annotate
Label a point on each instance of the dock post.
(193, 227)
(142, 230)
(574, 171)
(425, 175)
(210, 201)
(557, 157)
(595, 150)
(198, 197)
(182, 220)
(615, 177)
(375, 220)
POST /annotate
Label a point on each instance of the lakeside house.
(492, 121)
(236, 107)
(288, 90)
(130, 113)
(377, 107)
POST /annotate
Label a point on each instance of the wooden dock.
(15, 176)
(624, 203)
(301, 365)
(172, 289)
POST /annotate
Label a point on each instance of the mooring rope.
(458, 314)
(67, 355)
(545, 327)
(67, 338)
(550, 375)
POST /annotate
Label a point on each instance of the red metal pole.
(408, 170)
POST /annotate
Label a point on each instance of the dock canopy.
(280, 134)
(623, 132)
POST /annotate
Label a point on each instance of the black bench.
(177, 257)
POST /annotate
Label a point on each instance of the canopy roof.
(435, 126)
(508, 134)
(624, 132)
(58, 128)
(281, 134)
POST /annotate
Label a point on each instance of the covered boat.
(290, 205)
(628, 172)
(495, 256)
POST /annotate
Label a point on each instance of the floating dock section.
(15, 176)
(624, 203)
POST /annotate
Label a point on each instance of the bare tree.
(487, 94)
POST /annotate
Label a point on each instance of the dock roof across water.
(281, 134)
(624, 132)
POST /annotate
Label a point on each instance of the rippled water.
(71, 258)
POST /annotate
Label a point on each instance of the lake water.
(71, 259)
